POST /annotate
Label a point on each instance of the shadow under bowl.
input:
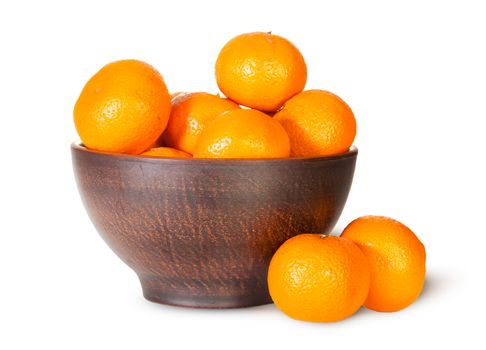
(201, 232)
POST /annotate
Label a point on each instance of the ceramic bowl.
(201, 232)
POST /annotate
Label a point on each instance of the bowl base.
(160, 295)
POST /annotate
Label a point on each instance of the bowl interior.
(353, 150)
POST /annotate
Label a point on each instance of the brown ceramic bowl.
(201, 233)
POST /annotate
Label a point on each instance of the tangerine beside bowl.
(201, 233)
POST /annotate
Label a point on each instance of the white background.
(415, 77)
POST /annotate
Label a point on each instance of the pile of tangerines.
(264, 113)
(126, 108)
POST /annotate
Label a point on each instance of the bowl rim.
(78, 146)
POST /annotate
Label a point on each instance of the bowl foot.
(157, 291)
